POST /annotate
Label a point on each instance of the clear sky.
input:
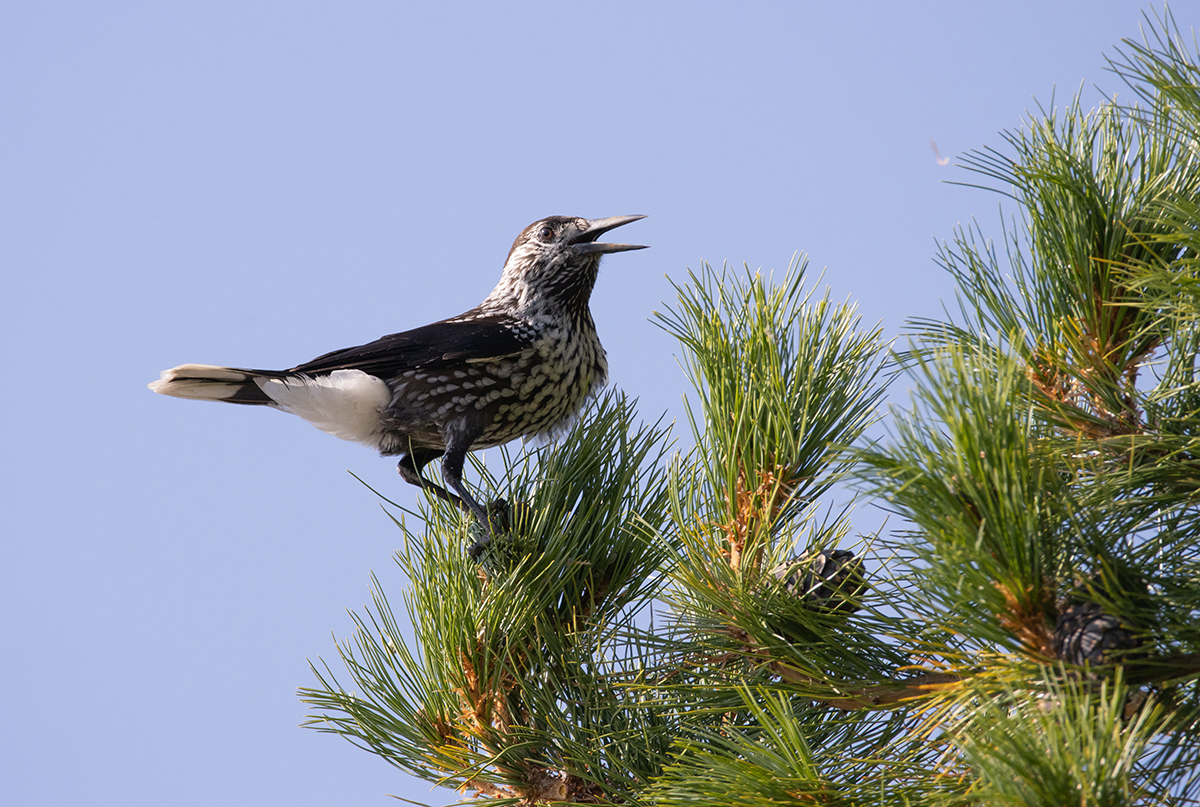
(256, 183)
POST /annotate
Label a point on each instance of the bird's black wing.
(453, 341)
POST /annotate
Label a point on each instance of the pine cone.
(1085, 633)
(830, 581)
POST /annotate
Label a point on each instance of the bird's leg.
(410, 471)
(493, 517)
(452, 467)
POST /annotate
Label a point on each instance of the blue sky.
(257, 183)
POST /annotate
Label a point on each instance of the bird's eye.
(545, 233)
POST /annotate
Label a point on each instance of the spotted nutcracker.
(519, 364)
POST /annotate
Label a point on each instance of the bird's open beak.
(586, 241)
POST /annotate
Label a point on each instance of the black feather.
(449, 342)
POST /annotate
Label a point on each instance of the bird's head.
(554, 262)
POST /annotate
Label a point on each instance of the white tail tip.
(204, 382)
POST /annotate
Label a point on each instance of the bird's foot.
(499, 522)
(504, 520)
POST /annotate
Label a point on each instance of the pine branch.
(1028, 634)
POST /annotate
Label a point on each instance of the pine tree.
(702, 625)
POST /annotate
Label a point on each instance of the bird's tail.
(206, 382)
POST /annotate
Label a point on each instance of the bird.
(520, 364)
